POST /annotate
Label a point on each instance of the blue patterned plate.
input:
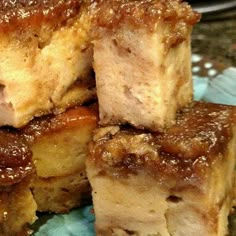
(210, 84)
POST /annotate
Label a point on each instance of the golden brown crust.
(140, 14)
(109, 14)
(33, 14)
(76, 117)
(184, 152)
(15, 161)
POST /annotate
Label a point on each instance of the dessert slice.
(45, 58)
(176, 183)
(61, 194)
(58, 180)
(17, 206)
(142, 61)
(60, 146)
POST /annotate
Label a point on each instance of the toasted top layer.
(144, 13)
(201, 130)
(76, 117)
(15, 158)
(34, 13)
(186, 151)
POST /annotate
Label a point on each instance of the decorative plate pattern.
(213, 82)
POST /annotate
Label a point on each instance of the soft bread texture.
(143, 68)
(43, 67)
(61, 194)
(139, 82)
(177, 183)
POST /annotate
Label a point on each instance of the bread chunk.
(45, 58)
(60, 145)
(176, 183)
(17, 206)
(61, 194)
(142, 61)
(42, 167)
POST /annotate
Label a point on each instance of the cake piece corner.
(142, 61)
(176, 183)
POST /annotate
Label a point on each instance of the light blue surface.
(200, 85)
(79, 222)
(221, 89)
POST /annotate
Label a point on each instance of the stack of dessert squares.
(162, 164)
(158, 163)
(46, 78)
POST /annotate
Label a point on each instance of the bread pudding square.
(45, 58)
(176, 183)
(60, 146)
(142, 61)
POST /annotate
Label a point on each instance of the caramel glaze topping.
(183, 152)
(28, 14)
(111, 16)
(142, 13)
(72, 118)
(15, 158)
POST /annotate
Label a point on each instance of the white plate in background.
(212, 6)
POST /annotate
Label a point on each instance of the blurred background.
(215, 36)
(212, 5)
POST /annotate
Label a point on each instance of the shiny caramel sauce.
(200, 130)
(15, 158)
(144, 13)
(75, 117)
(185, 151)
(28, 14)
